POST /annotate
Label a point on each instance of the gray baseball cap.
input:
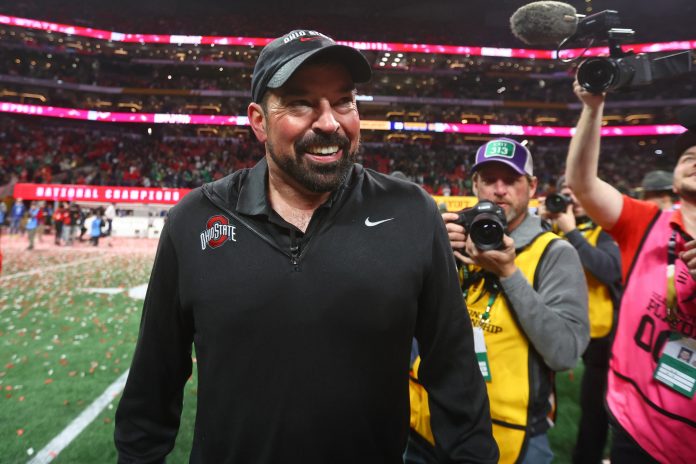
(657, 181)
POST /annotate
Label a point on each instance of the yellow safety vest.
(599, 303)
(508, 357)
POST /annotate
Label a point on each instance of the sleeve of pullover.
(554, 317)
(602, 261)
(147, 418)
(460, 415)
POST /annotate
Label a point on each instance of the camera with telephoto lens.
(622, 70)
(557, 203)
(485, 223)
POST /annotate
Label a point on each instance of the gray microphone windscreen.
(544, 23)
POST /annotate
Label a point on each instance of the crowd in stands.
(134, 86)
(444, 23)
(81, 154)
(530, 92)
(164, 71)
(159, 76)
(429, 76)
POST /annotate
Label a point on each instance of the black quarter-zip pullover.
(303, 340)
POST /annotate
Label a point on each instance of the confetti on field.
(62, 343)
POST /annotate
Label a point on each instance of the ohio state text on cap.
(283, 56)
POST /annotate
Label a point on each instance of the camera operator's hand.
(689, 257)
(455, 232)
(566, 220)
(588, 99)
(499, 262)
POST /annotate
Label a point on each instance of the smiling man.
(301, 282)
(528, 304)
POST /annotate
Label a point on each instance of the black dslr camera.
(485, 223)
(557, 203)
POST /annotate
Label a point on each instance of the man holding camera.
(601, 259)
(652, 415)
(527, 300)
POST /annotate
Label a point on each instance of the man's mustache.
(323, 140)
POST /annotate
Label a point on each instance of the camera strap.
(672, 304)
(674, 367)
(671, 297)
(491, 285)
(586, 225)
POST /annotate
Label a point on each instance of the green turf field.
(64, 339)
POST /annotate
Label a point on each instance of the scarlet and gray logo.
(217, 231)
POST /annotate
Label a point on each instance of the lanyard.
(671, 297)
(671, 287)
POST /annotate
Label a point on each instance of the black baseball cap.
(685, 141)
(283, 56)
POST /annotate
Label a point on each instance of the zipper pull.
(294, 254)
(294, 251)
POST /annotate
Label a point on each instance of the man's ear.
(474, 182)
(533, 184)
(257, 121)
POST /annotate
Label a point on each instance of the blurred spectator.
(16, 216)
(109, 215)
(95, 224)
(3, 213)
(32, 223)
(656, 187)
(58, 219)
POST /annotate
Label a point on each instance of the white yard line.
(48, 268)
(64, 438)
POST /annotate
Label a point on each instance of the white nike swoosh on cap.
(369, 223)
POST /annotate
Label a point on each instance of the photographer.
(601, 259)
(528, 303)
(652, 420)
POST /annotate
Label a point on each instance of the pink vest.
(660, 420)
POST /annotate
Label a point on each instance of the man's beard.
(512, 214)
(317, 178)
(687, 192)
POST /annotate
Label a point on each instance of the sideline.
(48, 268)
(64, 438)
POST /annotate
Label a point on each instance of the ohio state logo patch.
(218, 231)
